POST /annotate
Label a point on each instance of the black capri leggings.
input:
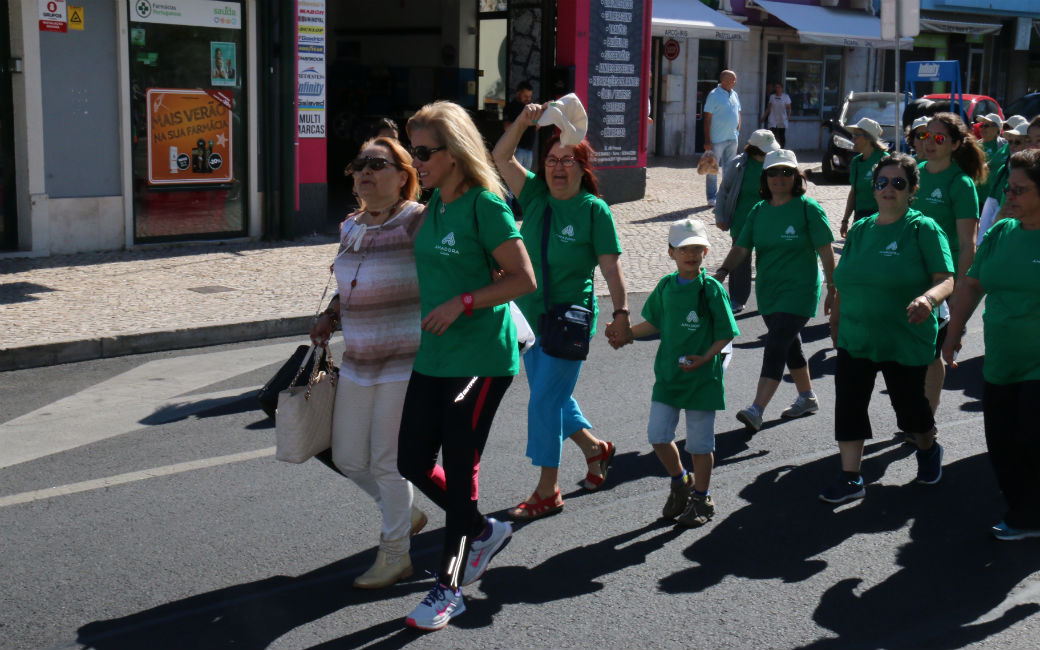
(452, 415)
(783, 344)
(854, 384)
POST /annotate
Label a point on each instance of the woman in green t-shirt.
(895, 269)
(789, 232)
(866, 139)
(738, 194)
(581, 235)
(1007, 272)
(947, 194)
(1018, 140)
(468, 350)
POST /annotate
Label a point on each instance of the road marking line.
(131, 477)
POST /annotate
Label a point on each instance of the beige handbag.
(303, 422)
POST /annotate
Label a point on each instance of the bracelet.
(623, 310)
(467, 303)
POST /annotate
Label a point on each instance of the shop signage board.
(310, 69)
(53, 16)
(616, 102)
(189, 137)
(194, 13)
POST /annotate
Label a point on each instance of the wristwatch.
(467, 303)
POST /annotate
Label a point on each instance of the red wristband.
(467, 303)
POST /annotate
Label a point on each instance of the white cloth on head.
(569, 116)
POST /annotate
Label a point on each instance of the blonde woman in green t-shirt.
(468, 353)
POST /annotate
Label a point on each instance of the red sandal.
(540, 508)
(600, 461)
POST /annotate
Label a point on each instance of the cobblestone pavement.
(89, 296)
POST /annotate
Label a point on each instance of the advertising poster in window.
(310, 48)
(616, 101)
(189, 137)
(223, 64)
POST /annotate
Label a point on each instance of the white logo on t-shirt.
(790, 234)
(449, 239)
(891, 250)
(692, 317)
(447, 245)
(569, 231)
(937, 194)
(892, 247)
(693, 322)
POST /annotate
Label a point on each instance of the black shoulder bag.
(564, 329)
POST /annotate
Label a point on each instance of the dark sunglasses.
(423, 153)
(773, 172)
(566, 161)
(938, 137)
(898, 183)
(358, 165)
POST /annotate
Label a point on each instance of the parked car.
(975, 106)
(1028, 106)
(878, 106)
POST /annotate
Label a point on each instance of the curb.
(50, 354)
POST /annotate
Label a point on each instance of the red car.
(975, 106)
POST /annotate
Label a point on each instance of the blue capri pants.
(552, 412)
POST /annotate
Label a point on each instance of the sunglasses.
(358, 165)
(566, 161)
(938, 137)
(1016, 143)
(1017, 191)
(773, 172)
(423, 152)
(898, 183)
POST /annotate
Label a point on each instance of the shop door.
(9, 218)
(711, 61)
(188, 119)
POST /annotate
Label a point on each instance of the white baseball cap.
(868, 126)
(783, 157)
(1021, 130)
(688, 232)
(1016, 121)
(764, 140)
(992, 118)
(919, 122)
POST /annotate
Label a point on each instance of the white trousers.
(364, 447)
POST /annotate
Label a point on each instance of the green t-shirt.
(947, 197)
(882, 269)
(582, 229)
(1008, 266)
(785, 239)
(996, 154)
(998, 183)
(453, 256)
(861, 178)
(690, 317)
(750, 184)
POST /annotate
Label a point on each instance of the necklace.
(360, 229)
(345, 305)
(379, 213)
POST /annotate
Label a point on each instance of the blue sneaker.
(481, 551)
(1008, 534)
(440, 606)
(843, 490)
(929, 465)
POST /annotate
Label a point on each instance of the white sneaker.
(802, 406)
(440, 606)
(481, 552)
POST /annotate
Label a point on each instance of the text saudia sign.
(196, 13)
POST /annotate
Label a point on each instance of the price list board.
(616, 101)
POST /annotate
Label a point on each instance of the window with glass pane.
(188, 119)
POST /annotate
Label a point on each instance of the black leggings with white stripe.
(452, 415)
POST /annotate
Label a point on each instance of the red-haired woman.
(582, 235)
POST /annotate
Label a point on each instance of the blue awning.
(826, 26)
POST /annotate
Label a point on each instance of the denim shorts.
(700, 427)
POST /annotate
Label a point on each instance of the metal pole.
(898, 122)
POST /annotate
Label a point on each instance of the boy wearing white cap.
(691, 311)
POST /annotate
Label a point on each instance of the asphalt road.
(142, 509)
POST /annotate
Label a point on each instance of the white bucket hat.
(992, 118)
(782, 157)
(569, 115)
(919, 122)
(870, 127)
(764, 140)
(1016, 121)
(688, 232)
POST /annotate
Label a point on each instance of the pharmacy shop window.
(188, 119)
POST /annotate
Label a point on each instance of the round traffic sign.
(671, 49)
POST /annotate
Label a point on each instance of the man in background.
(721, 127)
(778, 114)
(524, 150)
